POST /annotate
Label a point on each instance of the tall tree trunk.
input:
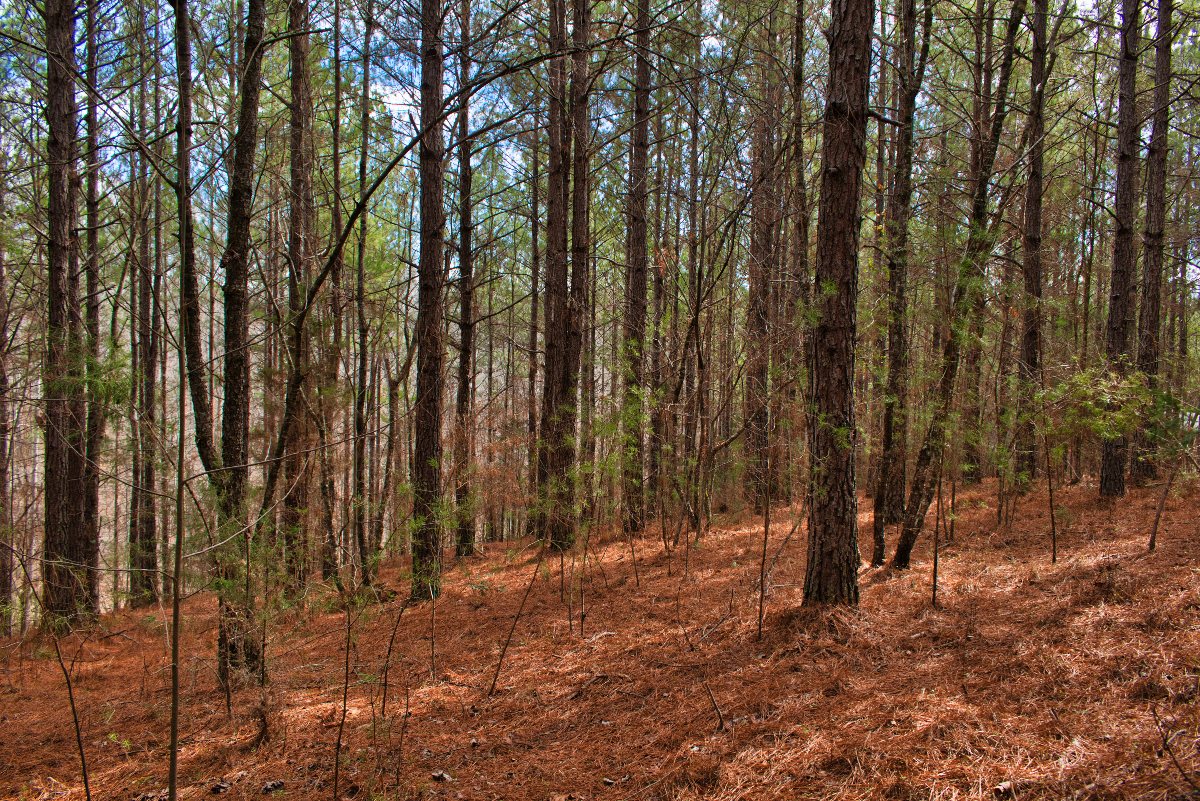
(1029, 365)
(832, 572)
(889, 493)
(360, 501)
(237, 647)
(427, 417)
(333, 352)
(553, 467)
(70, 550)
(301, 252)
(1150, 320)
(143, 536)
(633, 456)
(535, 258)
(465, 536)
(96, 412)
(761, 273)
(8, 542)
(1122, 302)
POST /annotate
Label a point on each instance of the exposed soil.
(1030, 680)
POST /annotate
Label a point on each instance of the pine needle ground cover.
(1030, 680)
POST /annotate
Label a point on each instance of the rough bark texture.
(550, 475)
(562, 533)
(7, 540)
(298, 473)
(535, 259)
(464, 540)
(633, 495)
(1149, 349)
(1122, 299)
(70, 552)
(143, 533)
(427, 409)
(93, 375)
(236, 644)
(761, 272)
(1029, 364)
(832, 572)
(360, 502)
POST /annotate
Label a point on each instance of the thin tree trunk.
(1029, 365)
(465, 536)
(358, 504)
(237, 647)
(889, 493)
(980, 242)
(301, 253)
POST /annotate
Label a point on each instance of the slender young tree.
(910, 75)
(964, 304)
(831, 576)
(464, 541)
(360, 501)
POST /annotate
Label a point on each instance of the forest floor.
(1029, 680)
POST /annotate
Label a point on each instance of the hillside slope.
(1030, 680)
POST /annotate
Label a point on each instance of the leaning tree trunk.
(832, 572)
(1122, 300)
(889, 492)
(981, 238)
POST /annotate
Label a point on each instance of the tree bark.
(633, 491)
(427, 411)
(465, 530)
(70, 550)
(301, 254)
(1029, 364)
(831, 576)
(1122, 300)
(237, 647)
(1149, 350)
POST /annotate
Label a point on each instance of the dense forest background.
(674, 399)
(288, 288)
